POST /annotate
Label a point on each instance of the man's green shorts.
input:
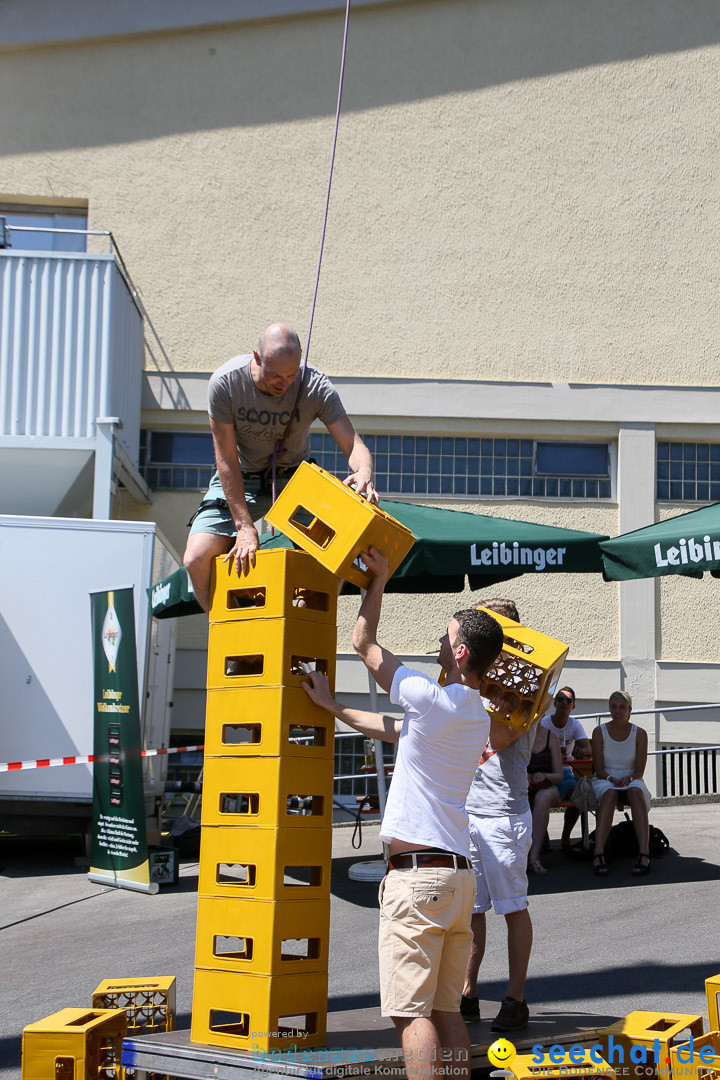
(258, 495)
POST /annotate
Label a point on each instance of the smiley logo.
(501, 1053)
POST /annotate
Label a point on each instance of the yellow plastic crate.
(644, 1029)
(686, 1062)
(274, 721)
(525, 1067)
(269, 652)
(282, 584)
(270, 864)
(74, 1044)
(148, 1003)
(267, 791)
(254, 1012)
(529, 666)
(334, 524)
(712, 993)
(262, 937)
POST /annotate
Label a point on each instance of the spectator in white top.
(574, 745)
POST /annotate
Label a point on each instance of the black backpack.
(622, 840)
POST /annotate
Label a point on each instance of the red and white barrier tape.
(45, 763)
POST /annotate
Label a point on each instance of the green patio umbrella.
(173, 596)
(453, 545)
(687, 544)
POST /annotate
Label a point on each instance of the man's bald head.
(279, 341)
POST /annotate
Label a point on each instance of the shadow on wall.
(276, 72)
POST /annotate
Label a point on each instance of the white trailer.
(49, 568)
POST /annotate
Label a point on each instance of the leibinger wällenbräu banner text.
(119, 843)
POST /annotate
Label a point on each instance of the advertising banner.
(119, 843)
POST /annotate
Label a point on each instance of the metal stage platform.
(360, 1042)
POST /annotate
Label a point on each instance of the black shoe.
(470, 1007)
(512, 1016)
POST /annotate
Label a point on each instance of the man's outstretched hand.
(243, 550)
(376, 563)
(318, 690)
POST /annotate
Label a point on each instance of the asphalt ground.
(606, 946)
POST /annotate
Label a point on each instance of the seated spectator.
(574, 744)
(544, 774)
(619, 751)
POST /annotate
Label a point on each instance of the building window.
(19, 218)
(177, 460)
(429, 465)
(489, 468)
(688, 472)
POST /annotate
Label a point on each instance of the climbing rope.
(280, 445)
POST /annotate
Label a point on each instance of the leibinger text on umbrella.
(688, 551)
(160, 594)
(502, 554)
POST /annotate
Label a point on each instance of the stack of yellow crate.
(264, 884)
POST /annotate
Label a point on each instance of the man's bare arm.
(358, 455)
(230, 473)
(373, 725)
(381, 663)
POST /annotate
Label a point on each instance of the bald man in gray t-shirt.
(253, 404)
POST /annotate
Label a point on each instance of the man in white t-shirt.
(427, 895)
(574, 744)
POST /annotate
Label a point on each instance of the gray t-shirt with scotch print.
(260, 419)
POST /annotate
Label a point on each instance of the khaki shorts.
(424, 940)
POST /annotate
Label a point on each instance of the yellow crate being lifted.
(74, 1044)
(529, 668)
(334, 524)
(149, 1003)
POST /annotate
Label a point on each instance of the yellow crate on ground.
(270, 864)
(656, 1031)
(149, 1003)
(712, 993)
(74, 1044)
(267, 721)
(697, 1060)
(276, 792)
(262, 937)
(255, 1013)
(334, 524)
(529, 667)
(283, 584)
(574, 1064)
(269, 652)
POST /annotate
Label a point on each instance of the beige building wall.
(525, 198)
(523, 190)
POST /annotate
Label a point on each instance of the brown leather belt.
(409, 860)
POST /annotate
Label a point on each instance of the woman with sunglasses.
(574, 744)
